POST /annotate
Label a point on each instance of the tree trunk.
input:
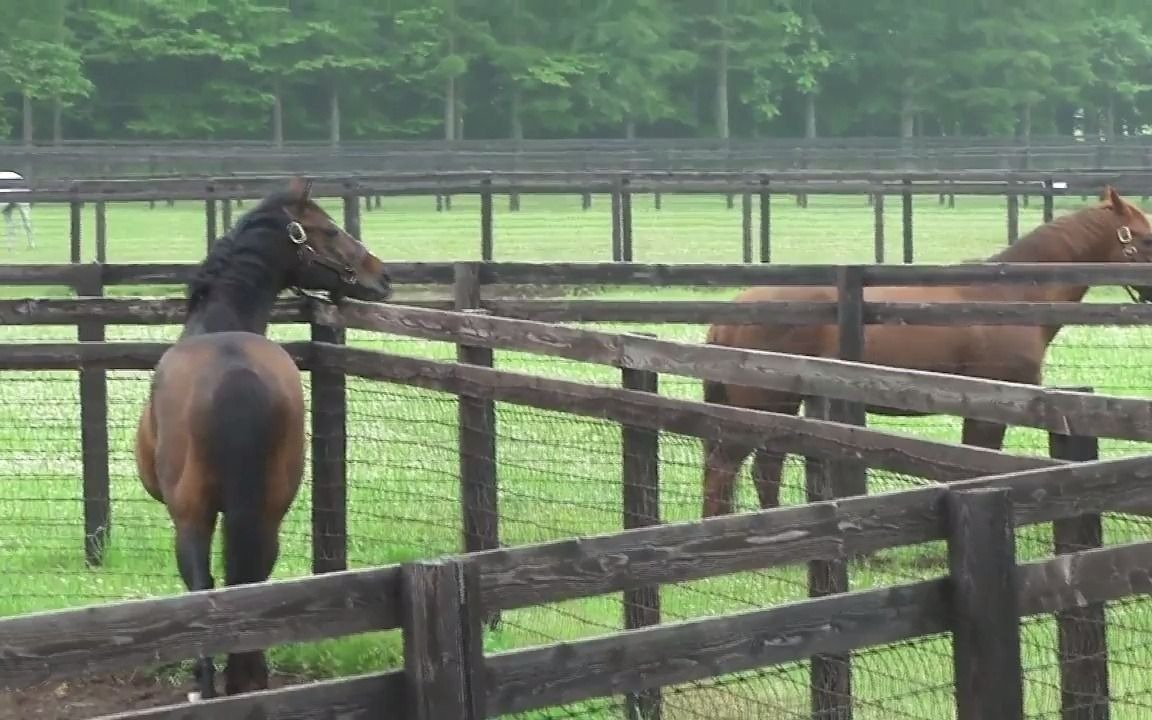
(277, 116)
(810, 115)
(907, 117)
(57, 122)
(450, 119)
(1026, 122)
(515, 109)
(334, 117)
(722, 62)
(28, 120)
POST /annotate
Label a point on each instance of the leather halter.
(1124, 235)
(307, 254)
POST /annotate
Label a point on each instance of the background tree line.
(373, 69)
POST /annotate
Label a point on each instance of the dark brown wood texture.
(985, 620)
(329, 437)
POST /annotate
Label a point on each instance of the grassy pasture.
(559, 474)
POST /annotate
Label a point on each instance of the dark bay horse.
(222, 431)
(1112, 231)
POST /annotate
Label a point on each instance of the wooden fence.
(755, 191)
(440, 605)
(477, 336)
(420, 598)
(85, 158)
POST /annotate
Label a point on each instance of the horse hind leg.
(193, 557)
(722, 462)
(767, 471)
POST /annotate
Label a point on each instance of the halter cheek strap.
(307, 254)
(1124, 235)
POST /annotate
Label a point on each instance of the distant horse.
(222, 430)
(1113, 231)
(23, 208)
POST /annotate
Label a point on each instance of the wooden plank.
(851, 477)
(932, 393)
(790, 312)
(985, 619)
(75, 230)
(434, 641)
(121, 310)
(128, 635)
(105, 355)
(329, 438)
(1081, 631)
(697, 649)
(785, 433)
(364, 697)
(693, 650)
(681, 552)
(684, 274)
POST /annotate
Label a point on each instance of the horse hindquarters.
(238, 448)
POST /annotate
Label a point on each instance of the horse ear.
(1113, 200)
(300, 188)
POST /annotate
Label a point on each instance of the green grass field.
(559, 474)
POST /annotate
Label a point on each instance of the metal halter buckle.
(296, 233)
(1124, 234)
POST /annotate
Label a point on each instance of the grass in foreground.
(559, 474)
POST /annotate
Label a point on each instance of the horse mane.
(1065, 233)
(241, 255)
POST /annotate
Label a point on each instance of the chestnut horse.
(222, 430)
(1112, 231)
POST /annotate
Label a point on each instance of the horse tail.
(239, 446)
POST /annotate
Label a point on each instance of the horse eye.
(331, 232)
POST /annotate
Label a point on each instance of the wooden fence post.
(765, 220)
(209, 220)
(625, 221)
(94, 430)
(1049, 200)
(1082, 631)
(617, 236)
(830, 675)
(878, 226)
(352, 223)
(851, 477)
(746, 226)
(226, 214)
(479, 499)
(906, 205)
(443, 658)
(986, 621)
(640, 483)
(101, 232)
(329, 460)
(1013, 209)
(75, 231)
(486, 238)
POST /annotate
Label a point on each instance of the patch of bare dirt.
(80, 699)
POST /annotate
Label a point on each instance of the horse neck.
(1080, 238)
(236, 304)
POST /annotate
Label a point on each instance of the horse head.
(1132, 239)
(330, 258)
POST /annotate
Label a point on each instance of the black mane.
(241, 256)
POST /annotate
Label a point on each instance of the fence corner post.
(986, 616)
(443, 666)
